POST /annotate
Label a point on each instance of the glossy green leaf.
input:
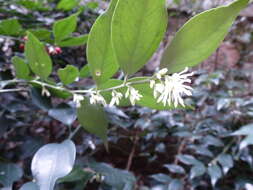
(244, 130)
(64, 27)
(101, 59)
(34, 5)
(40, 101)
(38, 59)
(21, 68)
(187, 159)
(63, 113)
(226, 161)
(42, 34)
(85, 71)
(173, 168)
(93, 119)
(215, 173)
(10, 27)
(29, 186)
(200, 37)
(114, 177)
(175, 184)
(67, 4)
(246, 141)
(68, 74)
(9, 173)
(59, 159)
(162, 178)
(74, 41)
(77, 174)
(197, 170)
(92, 5)
(137, 30)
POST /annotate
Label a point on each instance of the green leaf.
(77, 174)
(187, 159)
(162, 178)
(200, 37)
(91, 5)
(34, 5)
(67, 4)
(42, 34)
(101, 58)
(74, 41)
(10, 27)
(215, 173)
(114, 177)
(226, 161)
(85, 71)
(246, 141)
(9, 173)
(175, 184)
(93, 119)
(197, 170)
(244, 130)
(40, 101)
(64, 27)
(59, 159)
(38, 59)
(30, 186)
(173, 168)
(137, 30)
(68, 74)
(21, 68)
(63, 113)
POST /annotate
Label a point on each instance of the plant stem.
(226, 148)
(61, 88)
(131, 156)
(74, 132)
(13, 90)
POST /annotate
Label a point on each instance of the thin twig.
(12, 90)
(130, 158)
(61, 88)
(74, 132)
(226, 148)
(180, 150)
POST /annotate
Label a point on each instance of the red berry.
(22, 47)
(58, 50)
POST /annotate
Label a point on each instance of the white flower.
(173, 88)
(77, 100)
(152, 83)
(45, 92)
(161, 73)
(97, 98)
(116, 96)
(133, 95)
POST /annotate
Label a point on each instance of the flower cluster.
(167, 89)
(133, 95)
(97, 98)
(77, 99)
(170, 89)
(116, 97)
